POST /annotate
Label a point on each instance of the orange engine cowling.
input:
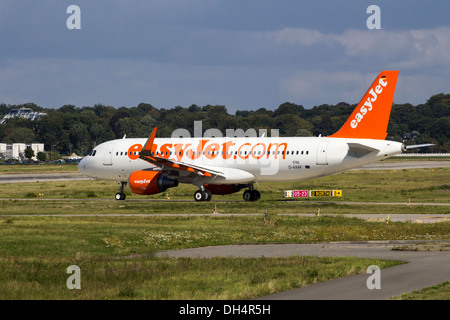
(224, 188)
(150, 182)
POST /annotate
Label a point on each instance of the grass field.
(116, 254)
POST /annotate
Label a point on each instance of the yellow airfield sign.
(312, 193)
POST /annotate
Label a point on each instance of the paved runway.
(424, 268)
(406, 165)
(36, 177)
(413, 218)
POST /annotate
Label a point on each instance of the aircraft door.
(107, 157)
(322, 153)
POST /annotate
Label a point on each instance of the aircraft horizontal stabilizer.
(419, 146)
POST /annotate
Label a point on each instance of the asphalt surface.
(405, 165)
(423, 268)
(34, 177)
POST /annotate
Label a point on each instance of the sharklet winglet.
(149, 144)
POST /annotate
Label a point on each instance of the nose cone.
(82, 166)
(86, 166)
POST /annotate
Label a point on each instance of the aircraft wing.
(227, 175)
(166, 164)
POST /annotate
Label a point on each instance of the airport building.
(16, 151)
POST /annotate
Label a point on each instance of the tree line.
(70, 129)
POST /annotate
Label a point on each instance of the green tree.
(29, 153)
(19, 135)
(80, 137)
(41, 156)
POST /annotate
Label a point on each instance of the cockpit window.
(92, 153)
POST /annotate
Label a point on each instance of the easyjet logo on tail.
(375, 104)
(367, 106)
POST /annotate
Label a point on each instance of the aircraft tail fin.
(370, 118)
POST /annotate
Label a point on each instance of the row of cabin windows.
(256, 153)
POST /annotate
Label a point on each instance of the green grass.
(438, 292)
(171, 278)
(399, 186)
(122, 236)
(116, 255)
(38, 168)
(418, 185)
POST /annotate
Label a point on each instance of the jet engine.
(150, 182)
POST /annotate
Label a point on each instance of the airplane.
(225, 165)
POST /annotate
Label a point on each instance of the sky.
(244, 54)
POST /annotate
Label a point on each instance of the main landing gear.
(121, 195)
(202, 195)
(251, 194)
(205, 195)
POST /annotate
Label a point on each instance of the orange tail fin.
(371, 117)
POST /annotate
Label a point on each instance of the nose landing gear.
(121, 195)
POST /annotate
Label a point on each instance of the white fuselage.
(242, 160)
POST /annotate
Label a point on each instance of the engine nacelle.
(224, 188)
(150, 182)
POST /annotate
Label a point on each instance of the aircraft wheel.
(248, 195)
(120, 196)
(199, 195)
(251, 195)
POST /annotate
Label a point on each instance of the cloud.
(410, 49)
(406, 48)
(322, 87)
(244, 56)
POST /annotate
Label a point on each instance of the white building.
(16, 151)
